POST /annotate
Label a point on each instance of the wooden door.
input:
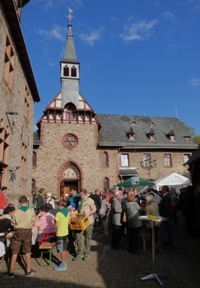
(65, 188)
(66, 191)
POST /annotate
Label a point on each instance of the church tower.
(70, 70)
(69, 106)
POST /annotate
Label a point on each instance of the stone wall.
(52, 154)
(20, 128)
(160, 170)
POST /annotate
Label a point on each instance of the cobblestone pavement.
(178, 268)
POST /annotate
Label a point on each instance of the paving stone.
(107, 268)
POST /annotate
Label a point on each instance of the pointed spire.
(70, 53)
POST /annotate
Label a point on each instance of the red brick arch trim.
(69, 171)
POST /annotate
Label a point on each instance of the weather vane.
(70, 15)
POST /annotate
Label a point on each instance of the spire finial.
(70, 15)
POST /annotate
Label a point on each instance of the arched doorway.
(69, 175)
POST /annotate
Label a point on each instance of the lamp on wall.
(147, 164)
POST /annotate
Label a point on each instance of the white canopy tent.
(173, 180)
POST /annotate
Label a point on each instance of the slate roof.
(114, 132)
(36, 138)
(115, 128)
(70, 52)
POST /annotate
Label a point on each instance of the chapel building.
(75, 146)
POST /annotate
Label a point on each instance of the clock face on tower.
(70, 141)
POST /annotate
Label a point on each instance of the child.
(5, 222)
(61, 223)
(23, 220)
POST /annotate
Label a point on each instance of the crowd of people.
(114, 210)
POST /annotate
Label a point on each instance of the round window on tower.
(69, 141)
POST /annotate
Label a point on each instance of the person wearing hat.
(50, 200)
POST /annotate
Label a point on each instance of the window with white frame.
(124, 160)
(168, 160)
(186, 157)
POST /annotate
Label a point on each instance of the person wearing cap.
(50, 200)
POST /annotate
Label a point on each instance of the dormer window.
(151, 135)
(73, 71)
(171, 135)
(131, 134)
(172, 138)
(66, 71)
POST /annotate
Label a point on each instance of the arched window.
(70, 111)
(105, 159)
(73, 71)
(66, 71)
(106, 183)
(34, 160)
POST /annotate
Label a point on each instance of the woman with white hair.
(50, 200)
(152, 208)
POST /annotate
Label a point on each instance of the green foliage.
(196, 140)
(192, 131)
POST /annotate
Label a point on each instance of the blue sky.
(137, 57)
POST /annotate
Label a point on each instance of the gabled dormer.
(151, 135)
(171, 135)
(131, 134)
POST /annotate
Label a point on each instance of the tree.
(194, 137)
(196, 140)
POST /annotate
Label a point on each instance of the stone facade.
(17, 97)
(52, 155)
